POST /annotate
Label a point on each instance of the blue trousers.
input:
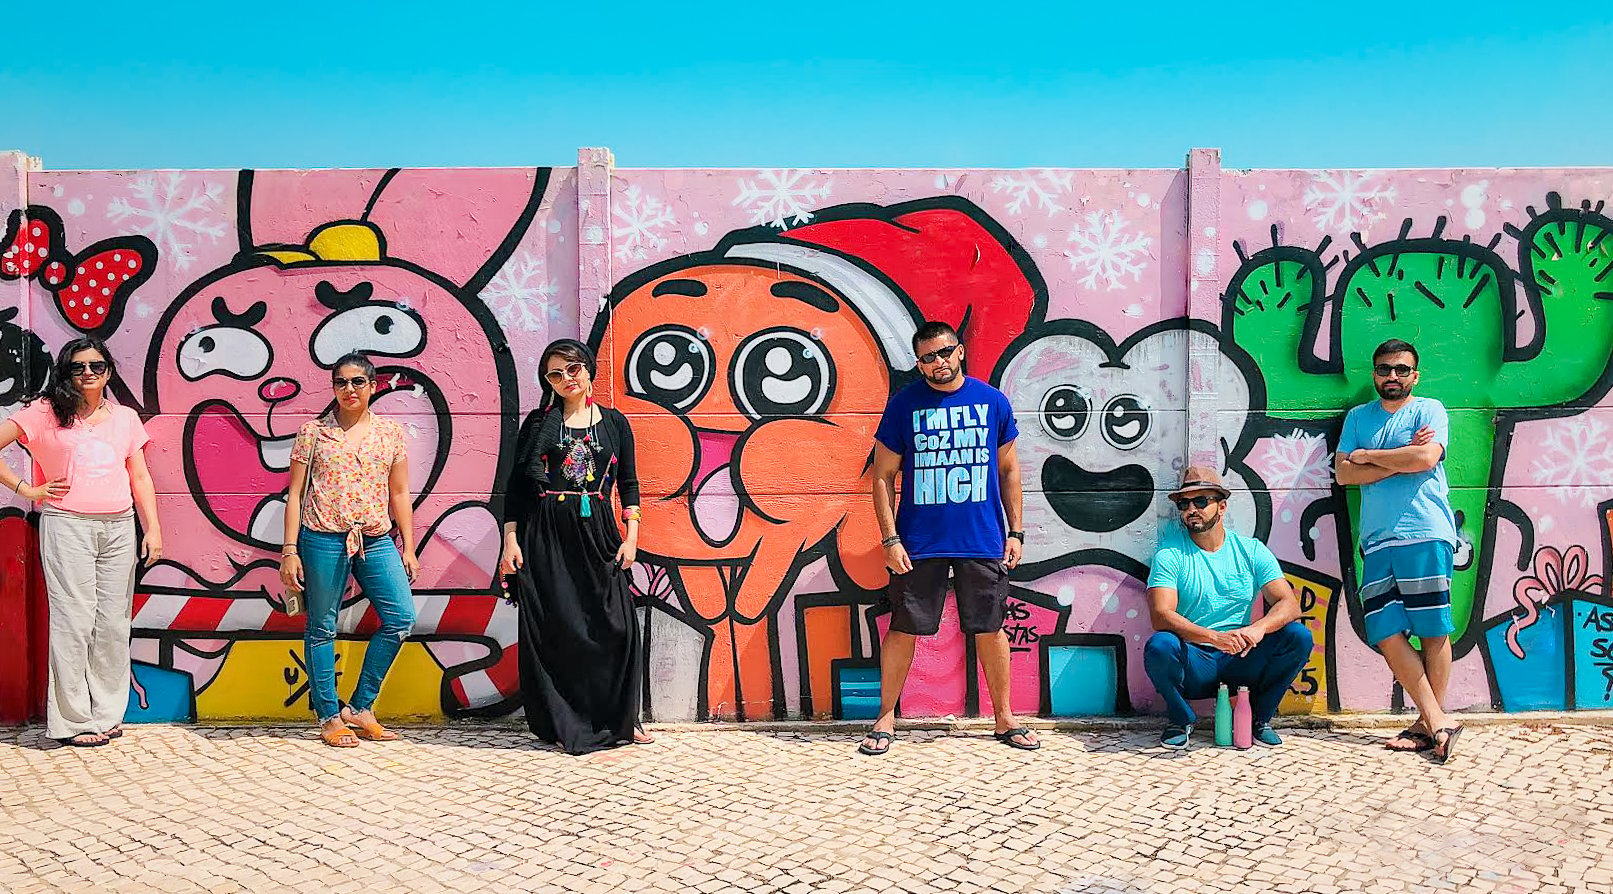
(1181, 671)
(380, 575)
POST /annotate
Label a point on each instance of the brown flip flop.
(369, 731)
(338, 736)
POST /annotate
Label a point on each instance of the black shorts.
(917, 597)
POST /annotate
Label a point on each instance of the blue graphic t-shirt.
(951, 504)
(1406, 505)
(1213, 590)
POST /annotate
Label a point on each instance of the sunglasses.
(94, 367)
(942, 353)
(1198, 502)
(1400, 369)
(355, 382)
(572, 371)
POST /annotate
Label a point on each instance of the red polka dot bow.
(91, 287)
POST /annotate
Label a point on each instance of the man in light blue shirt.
(1201, 592)
(1394, 449)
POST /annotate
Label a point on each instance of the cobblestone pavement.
(1523, 808)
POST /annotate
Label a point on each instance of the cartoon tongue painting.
(714, 502)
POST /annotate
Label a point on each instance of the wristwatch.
(1017, 535)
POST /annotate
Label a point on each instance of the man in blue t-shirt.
(1394, 449)
(1201, 597)
(952, 439)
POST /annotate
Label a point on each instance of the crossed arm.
(1363, 466)
(1282, 606)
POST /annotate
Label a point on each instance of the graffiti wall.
(752, 324)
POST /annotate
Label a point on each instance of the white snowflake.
(1043, 188)
(173, 217)
(1575, 460)
(1346, 200)
(521, 296)
(1107, 252)
(639, 218)
(1296, 461)
(782, 197)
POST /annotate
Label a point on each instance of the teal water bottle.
(1223, 717)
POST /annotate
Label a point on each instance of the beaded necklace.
(578, 453)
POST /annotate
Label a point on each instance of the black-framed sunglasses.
(1399, 369)
(942, 353)
(1198, 502)
(93, 367)
(355, 382)
(572, 370)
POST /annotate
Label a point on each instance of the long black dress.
(581, 657)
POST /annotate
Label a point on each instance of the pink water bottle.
(1243, 720)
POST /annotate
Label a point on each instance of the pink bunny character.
(334, 261)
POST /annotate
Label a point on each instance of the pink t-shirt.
(93, 458)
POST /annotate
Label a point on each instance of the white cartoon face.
(1103, 436)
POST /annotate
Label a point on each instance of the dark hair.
(569, 351)
(354, 358)
(933, 329)
(1396, 346)
(62, 395)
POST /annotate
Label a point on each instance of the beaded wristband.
(630, 514)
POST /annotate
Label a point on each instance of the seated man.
(1201, 594)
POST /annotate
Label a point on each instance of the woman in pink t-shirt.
(87, 452)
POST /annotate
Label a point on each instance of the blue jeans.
(380, 575)
(1183, 671)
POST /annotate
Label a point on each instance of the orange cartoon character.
(755, 374)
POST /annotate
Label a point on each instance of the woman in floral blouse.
(349, 483)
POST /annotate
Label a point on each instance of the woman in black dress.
(582, 661)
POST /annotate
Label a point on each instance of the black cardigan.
(540, 438)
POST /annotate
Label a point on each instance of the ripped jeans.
(380, 575)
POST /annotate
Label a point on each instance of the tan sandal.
(338, 736)
(368, 730)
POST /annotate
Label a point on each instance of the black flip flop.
(1441, 755)
(882, 740)
(1007, 738)
(1424, 741)
(73, 742)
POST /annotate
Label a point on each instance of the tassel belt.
(582, 496)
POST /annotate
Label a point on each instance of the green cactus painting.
(1493, 338)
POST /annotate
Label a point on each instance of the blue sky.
(828, 84)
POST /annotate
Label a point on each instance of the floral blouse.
(347, 490)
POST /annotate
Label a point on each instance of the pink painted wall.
(1132, 290)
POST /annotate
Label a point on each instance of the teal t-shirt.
(1406, 505)
(1214, 590)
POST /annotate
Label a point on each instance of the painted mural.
(752, 325)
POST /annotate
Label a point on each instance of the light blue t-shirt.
(1214, 590)
(1406, 505)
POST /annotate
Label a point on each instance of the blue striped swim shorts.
(1407, 590)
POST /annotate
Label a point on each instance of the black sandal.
(1424, 741)
(1007, 738)
(882, 743)
(89, 740)
(1441, 755)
